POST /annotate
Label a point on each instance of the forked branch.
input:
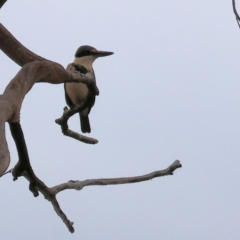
(50, 193)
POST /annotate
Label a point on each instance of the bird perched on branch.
(79, 94)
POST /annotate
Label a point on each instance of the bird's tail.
(85, 125)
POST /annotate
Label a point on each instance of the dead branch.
(50, 196)
(50, 193)
(236, 13)
(78, 185)
(67, 113)
(15, 50)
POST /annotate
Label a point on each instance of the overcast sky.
(170, 91)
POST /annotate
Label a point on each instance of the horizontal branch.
(78, 185)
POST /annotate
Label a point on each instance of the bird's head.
(86, 50)
(85, 55)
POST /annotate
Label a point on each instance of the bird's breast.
(77, 92)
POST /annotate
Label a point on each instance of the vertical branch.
(24, 162)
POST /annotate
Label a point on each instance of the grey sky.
(170, 91)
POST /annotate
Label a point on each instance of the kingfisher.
(79, 94)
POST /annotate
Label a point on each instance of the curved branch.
(236, 13)
(15, 50)
(67, 113)
(11, 100)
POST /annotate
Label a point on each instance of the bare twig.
(236, 13)
(61, 214)
(67, 113)
(50, 196)
(78, 185)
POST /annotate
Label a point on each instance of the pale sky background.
(170, 91)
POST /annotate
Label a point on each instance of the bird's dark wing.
(91, 96)
(79, 68)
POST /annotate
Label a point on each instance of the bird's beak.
(101, 53)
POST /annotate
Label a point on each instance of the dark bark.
(24, 161)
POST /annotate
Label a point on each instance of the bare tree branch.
(15, 50)
(61, 214)
(78, 185)
(236, 13)
(50, 193)
(67, 113)
(50, 196)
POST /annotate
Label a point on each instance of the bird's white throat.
(86, 62)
